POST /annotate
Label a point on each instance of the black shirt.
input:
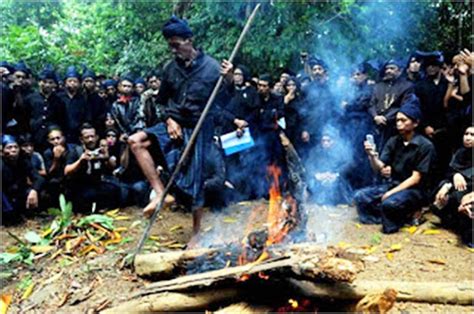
(58, 173)
(185, 90)
(270, 111)
(320, 109)
(89, 172)
(388, 97)
(243, 104)
(16, 177)
(96, 111)
(76, 113)
(42, 112)
(418, 155)
(431, 101)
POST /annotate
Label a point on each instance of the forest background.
(115, 37)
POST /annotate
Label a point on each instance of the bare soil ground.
(95, 281)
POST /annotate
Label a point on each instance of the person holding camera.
(406, 161)
(86, 172)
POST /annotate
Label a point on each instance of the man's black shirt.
(417, 155)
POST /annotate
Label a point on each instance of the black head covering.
(140, 80)
(71, 72)
(48, 73)
(296, 81)
(317, 61)
(111, 130)
(411, 108)
(398, 62)
(108, 83)
(88, 73)
(266, 78)
(21, 66)
(127, 77)
(25, 139)
(363, 67)
(287, 71)
(430, 58)
(176, 27)
(8, 139)
(8, 66)
(245, 71)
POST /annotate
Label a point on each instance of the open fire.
(281, 219)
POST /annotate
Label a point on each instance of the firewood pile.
(175, 290)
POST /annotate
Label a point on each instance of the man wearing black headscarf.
(96, 106)
(357, 123)
(431, 91)
(20, 86)
(44, 108)
(75, 103)
(388, 95)
(405, 163)
(187, 83)
(320, 109)
(22, 184)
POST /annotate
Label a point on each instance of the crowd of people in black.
(398, 139)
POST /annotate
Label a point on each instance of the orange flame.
(279, 212)
(277, 216)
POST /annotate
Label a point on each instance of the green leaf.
(103, 220)
(376, 238)
(66, 211)
(126, 240)
(6, 258)
(25, 282)
(32, 237)
(54, 211)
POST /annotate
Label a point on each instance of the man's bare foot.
(150, 208)
(193, 243)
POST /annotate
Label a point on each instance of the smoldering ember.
(236, 157)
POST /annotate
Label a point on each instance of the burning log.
(461, 293)
(312, 261)
(299, 261)
(165, 265)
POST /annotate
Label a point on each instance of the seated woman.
(458, 185)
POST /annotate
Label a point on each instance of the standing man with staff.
(187, 83)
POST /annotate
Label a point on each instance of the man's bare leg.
(197, 217)
(139, 144)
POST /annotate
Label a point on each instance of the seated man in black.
(21, 183)
(327, 170)
(457, 185)
(405, 161)
(85, 173)
(55, 158)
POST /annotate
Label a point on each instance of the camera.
(96, 153)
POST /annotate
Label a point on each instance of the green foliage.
(376, 239)
(103, 220)
(117, 36)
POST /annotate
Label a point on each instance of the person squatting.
(398, 141)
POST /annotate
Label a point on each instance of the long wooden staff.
(195, 133)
